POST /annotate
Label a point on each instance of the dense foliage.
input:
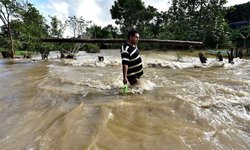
(91, 48)
(239, 13)
(199, 20)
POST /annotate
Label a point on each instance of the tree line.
(196, 20)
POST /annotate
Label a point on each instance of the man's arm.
(125, 72)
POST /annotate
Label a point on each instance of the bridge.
(151, 41)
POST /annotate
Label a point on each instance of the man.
(230, 56)
(203, 59)
(241, 54)
(219, 56)
(131, 60)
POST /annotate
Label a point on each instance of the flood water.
(77, 104)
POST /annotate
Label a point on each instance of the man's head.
(200, 54)
(133, 37)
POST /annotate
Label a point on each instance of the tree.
(150, 22)
(238, 13)
(77, 26)
(3, 40)
(241, 37)
(8, 11)
(95, 31)
(133, 14)
(106, 32)
(127, 13)
(112, 31)
(57, 28)
(31, 27)
(201, 20)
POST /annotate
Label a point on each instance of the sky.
(97, 11)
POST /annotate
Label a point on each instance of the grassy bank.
(20, 53)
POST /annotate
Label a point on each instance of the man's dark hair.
(131, 33)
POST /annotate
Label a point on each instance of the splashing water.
(76, 104)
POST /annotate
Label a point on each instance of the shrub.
(91, 48)
(178, 56)
(6, 54)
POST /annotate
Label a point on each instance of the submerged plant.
(178, 56)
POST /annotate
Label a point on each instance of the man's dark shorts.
(132, 80)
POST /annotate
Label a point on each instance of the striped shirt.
(131, 57)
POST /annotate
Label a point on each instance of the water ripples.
(76, 104)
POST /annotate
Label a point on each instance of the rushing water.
(76, 104)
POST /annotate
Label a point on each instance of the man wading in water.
(131, 59)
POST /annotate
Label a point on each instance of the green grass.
(21, 53)
(18, 53)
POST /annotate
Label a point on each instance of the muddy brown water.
(76, 104)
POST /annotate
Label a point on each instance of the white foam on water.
(116, 84)
(191, 62)
(154, 60)
(143, 85)
(227, 102)
(99, 85)
(186, 62)
(237, 62)
(93, 62)
(170, 63)
(111, 115)
(52, 55)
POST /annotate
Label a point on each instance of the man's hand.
(125, 80)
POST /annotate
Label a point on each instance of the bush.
(91, 48)
(6, 54)
(25, 54)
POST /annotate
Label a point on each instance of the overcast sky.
(95, 10)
